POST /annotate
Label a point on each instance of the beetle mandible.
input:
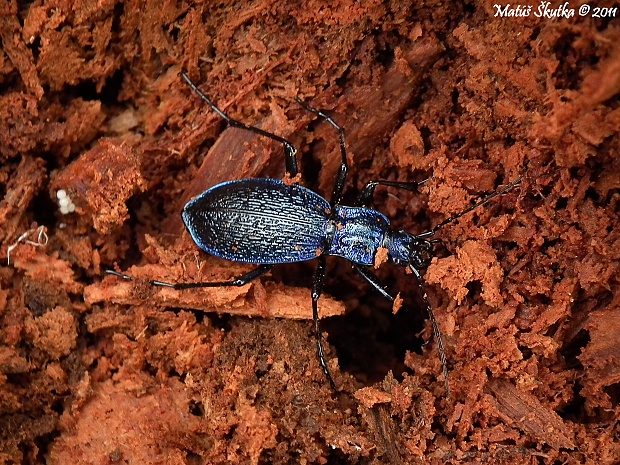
(267, 222)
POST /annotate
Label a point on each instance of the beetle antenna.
(473, 207)
(436, 332)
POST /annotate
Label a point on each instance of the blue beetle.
(265, 221)
(268, 222)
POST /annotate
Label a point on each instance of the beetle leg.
(344, 166)
(370, 277)
(239, 281)
(317, 288)
(290, 152)
(365, 197)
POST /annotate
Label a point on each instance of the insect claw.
(119, 275)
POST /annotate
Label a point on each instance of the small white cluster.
(65, 204)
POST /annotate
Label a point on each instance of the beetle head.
(420, 253)
(406, 249)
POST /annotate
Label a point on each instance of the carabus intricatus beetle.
(267, 222)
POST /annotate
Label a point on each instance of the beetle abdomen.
(261, 221)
